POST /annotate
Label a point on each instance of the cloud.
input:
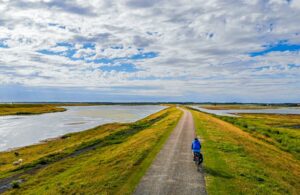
(191, 50)
(141, 4)
(55, 5)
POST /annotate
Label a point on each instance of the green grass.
(120, 156)
(235, 162)
(282, 131)
(27, 109)
(237, 106)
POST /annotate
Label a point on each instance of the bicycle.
(198, 158)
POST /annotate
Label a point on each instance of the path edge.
(134, 179)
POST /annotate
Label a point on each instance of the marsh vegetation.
(281, 130)
(107, 159)
(23, 130)
(240, 159)
(27, 109)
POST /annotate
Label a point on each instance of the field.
(251, 154)
(109, 159)
(279, 130)
(239, 162)
(238, 106)
(26, 109)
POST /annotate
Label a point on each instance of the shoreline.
(74, 146)
(67, 124)
(28, 109)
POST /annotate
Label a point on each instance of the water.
(17, 131)
(234, 113)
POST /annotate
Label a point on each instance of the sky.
(150, 50)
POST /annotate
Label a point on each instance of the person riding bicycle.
(196, 146)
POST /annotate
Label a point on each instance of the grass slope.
(235, 162)
(277, 129)
(26, 109)
(238, 106)
(120, 155)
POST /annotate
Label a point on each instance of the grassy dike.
(27, 109)
(235, 162)
(109, 159)
(280, 130)
(238, 106)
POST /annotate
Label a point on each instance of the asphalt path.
(173, 170)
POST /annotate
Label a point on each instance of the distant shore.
(29, 109)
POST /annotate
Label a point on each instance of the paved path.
(173, 171)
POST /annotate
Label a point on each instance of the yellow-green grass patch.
(115, 164)
(235, 162)
(238, 106)
(281, 130)
(27, 109)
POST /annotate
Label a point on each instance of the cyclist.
(196, 146)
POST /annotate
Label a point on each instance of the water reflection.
(234, 113)
(16, 131)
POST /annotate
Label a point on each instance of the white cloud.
(202, 46)
(295, 4)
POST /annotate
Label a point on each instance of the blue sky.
(141, 50)
(280, 46)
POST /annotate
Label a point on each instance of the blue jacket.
(196, 145)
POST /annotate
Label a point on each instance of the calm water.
(16, 131)
(287, 110)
